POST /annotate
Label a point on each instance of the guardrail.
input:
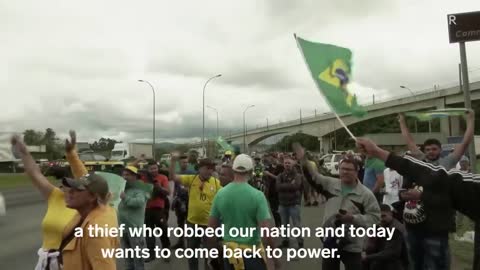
(16, 197)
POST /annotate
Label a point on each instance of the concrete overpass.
(322, 125)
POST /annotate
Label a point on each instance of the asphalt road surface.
(20, 239)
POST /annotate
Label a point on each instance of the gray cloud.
(79, 63)
(253, 70)
(66, 70)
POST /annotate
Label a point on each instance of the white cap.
(242, 163)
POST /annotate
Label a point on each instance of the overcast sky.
(75, 64)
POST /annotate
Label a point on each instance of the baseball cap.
(91, 182)
(242, 163)
(133, 169)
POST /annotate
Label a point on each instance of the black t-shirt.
(272, 193)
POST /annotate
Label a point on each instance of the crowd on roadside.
(418, 194)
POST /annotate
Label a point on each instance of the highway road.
(21, 238)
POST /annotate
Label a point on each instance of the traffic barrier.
(21, 196)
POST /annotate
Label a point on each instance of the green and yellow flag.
(440, 113)
(225, 145)
(331, 68)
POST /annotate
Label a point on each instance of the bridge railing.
(386, 97)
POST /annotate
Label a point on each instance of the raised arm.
(467, 138)
(407, 136)
(76, 165)
(407, 167)
(319, 182)
(31, 168)
(172, 176)
(380, 183)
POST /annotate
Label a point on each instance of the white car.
(3, 207)
(330, 163)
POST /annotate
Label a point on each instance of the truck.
(122, 151)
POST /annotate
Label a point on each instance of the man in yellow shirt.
(202, 189)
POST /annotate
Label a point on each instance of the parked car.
(330, 163)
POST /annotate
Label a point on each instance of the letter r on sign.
(452, 19)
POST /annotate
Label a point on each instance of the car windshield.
(338, 158)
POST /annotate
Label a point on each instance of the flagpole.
(326, 99)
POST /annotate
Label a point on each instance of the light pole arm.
(153, 92)
(203, 109)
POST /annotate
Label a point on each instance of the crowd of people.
(418, 193)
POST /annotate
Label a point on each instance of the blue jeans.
(293, 212)
(428, 252)
(133, 242)
(195, 243)
(250, 264)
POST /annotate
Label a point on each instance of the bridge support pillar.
(325, 144)
(455, 128)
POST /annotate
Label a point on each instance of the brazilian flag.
(440, 113)
(225, 146)
(331, 68)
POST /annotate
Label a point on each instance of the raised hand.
(401, 118)
(70, 144)
(18, 147)
(175, 155)
(470, 115)
(367, 146)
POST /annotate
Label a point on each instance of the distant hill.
(166, 145)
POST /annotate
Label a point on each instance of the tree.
(54, 148)
(32, 137)
(52, 144)
(104, 144)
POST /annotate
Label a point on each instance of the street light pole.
(217, 117)
(153, 92)
(404, 87)
(203, 110)
(245, 129)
